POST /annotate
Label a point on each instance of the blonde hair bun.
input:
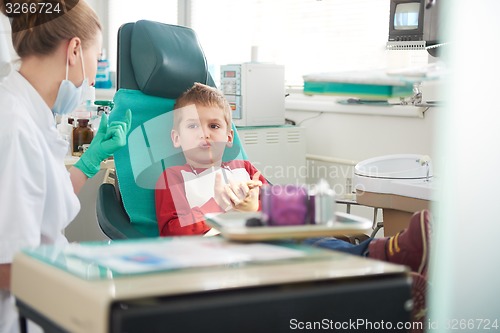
(40, 26)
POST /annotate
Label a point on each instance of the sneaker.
(409, 247)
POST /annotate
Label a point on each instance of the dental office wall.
(318, 36)
(336, 141)
(350, 136)
(339, 136)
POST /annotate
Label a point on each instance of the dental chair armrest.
(112, 218)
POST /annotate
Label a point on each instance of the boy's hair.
(200, 94)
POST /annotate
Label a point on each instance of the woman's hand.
(107, 140)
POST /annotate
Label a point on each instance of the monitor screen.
(229, 73)
(406, 16)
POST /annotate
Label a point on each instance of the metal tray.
(232, 226)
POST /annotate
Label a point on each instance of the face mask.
(69, 96)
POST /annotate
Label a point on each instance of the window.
(306, 36)
(124, 11)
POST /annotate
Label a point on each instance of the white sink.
(408, 175)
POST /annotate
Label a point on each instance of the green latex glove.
(107, 140)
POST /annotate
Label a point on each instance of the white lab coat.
(36, 195)
(6, 50)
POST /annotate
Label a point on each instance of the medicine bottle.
(82, 134)
(65, 129)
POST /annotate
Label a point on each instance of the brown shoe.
(409, 247)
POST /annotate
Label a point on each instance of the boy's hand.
(220, 193)
(250, 202)
(241, 196)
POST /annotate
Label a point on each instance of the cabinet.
(279, 152)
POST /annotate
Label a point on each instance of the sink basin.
(408, 175)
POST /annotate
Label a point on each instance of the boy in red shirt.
(205, 184)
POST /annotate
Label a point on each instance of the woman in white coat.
(59, 54)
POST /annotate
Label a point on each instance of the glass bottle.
(82, 134)
(324, 203)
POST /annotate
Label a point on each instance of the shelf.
(330, 104)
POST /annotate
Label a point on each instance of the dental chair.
(156, 63)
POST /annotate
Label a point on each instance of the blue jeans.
(339, 245)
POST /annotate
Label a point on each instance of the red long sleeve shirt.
(183, 195)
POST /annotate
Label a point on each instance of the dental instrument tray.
(233, 226)
(372, 85)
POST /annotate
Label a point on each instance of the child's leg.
(410, 247)
(340, 245)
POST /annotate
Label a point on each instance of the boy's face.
(203, 134)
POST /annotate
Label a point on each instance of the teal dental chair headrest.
(160, 55)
